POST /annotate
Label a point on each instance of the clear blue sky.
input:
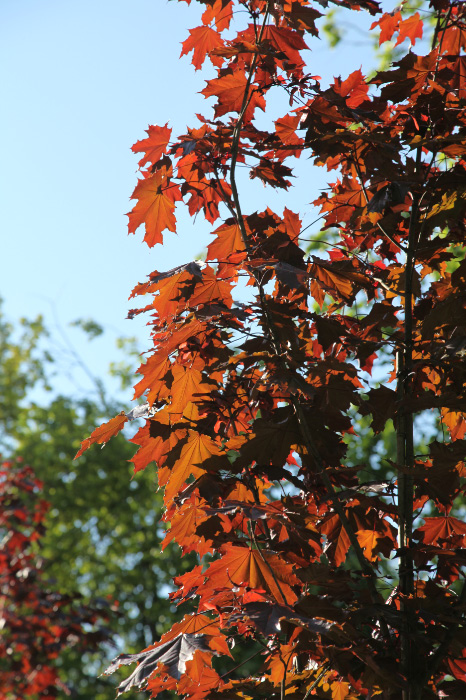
(81, 81)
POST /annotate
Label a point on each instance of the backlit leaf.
(229, 91)
(154, 146)
(241, 566)
(103, 433)
(202, 41)
(197, 449)
(410, 28)
(155, 207)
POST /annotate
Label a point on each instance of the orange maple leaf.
(287, 41)
(252, 568)
(183, 527)
(228, 241)
(103, 433)
(154, 146)
(154, 373)
(368, 540)
(155, 440)
(292, 223)
(332, 281)
(199, 677)
(354, 88)
(197, 449)
(211, 289)
(221, 11)
(187, 386)
(202, 41)
(454, 39)
(410, 28)
(455, 422)
(192, 624)
(443, 528)
(229, 91)
(337, 536)
(279, 663)
(388, 24)
(285, 128)
(155, 208)
(340, 690)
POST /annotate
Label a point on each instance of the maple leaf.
(195, 452)
(301, 17)
(156, 439)
(332, 281)
(202, 40)
(193, 624)
(292, 223)
(287, 41)
(337, 536)
(229, 90)
(221, 12)
(155, 207)
(271, 440)
(410, 28)
(188, 583)
(388, 24)
(200, 678)
(368, 540)
(285, 128)
(443, 528)
(211, 289)
(354, 89)
(279, 663)
(170, 288)
(103, 433)
(154, 146)
(188, 385)
(455, 422)
(154, 372)
(340, 690)
(173, 654)
(271, 173)
(458, 668)
(183, 528)
(228, 240)
(241, 566)
(454, 39)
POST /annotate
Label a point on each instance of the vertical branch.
(237, 134)
(405, 458)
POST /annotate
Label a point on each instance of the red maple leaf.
(202, 40)
(230, 90)
(410, 28)
(388, 24)
(155, 207)
(154, 146)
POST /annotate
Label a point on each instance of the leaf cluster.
(350, 586)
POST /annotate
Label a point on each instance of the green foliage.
(102, 537)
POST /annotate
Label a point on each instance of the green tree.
(102, 537)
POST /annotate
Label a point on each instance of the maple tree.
(38, 623)
(346, 586)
